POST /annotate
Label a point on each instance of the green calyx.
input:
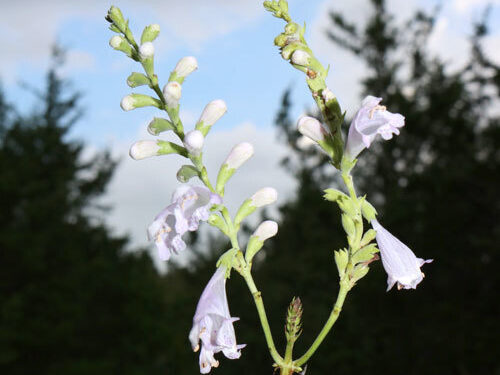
(150, 33)
(253, 246)
(167, 147)
(138, 79)
(159, 125)
(186, 172)
(225, 173)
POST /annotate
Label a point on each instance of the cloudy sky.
(233, 42)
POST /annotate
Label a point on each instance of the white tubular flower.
(265, 230)
(213, 324)
(301, 58)
(311, 128)
(146, 50)
(193, 141)
(172, 93)
(186, 66)
(127, 103)
(370, 120)
(213, 112)
(264, 197)
(144, 149)
(238, 155)
(400, 263)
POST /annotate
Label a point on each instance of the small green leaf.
(159, 125)
(137, 79)
(368, 237)
(334, 195)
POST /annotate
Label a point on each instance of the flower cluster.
(190, 205)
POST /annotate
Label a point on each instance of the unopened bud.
(304, 143)
(186, 66)
(144, 149)
(115, 15)
(369, 212)
(311, 128)
(293, 326)
(265, 230)
(302, 58)
(211, 114)
(193, 141)
(264, 197)
(327, 95)
(120, 44)
(150, 33)
(238, 155)
(134, 101)
(172, 93)
(146, 50)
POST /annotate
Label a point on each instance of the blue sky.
(233, 42)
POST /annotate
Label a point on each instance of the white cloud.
(29, 28)
(462, 6)
(140, 189)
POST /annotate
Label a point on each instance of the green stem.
(259, 304)
(337, 308)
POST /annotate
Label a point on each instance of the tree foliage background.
(73, 301)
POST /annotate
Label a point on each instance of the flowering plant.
(212, 322)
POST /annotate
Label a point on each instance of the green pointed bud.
(359, 272)
(368, 237)
(159, 125)
(281, 40)
(146, 149)
(134, 101)
(238, 155)
(291, 28)
(341, 259)
(150, 33)
(293, 326)
(365, 254)
(137, 79)
(268, 5)
(218, 222)
(369, 212)
(349, 226)
(115, 16)
(334, 195)
(113, 28)
(283, 4)
(347, 206)
(265, 230)
(120, 44)
(186, 172)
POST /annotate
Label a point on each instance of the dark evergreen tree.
(73, 301)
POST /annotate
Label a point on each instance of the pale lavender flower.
(400, 263)
(213, 324)
(190, 205)
(370, 120)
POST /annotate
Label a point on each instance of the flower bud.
(302, 58)
(265, 230)
(146, 50)
(172, 93)
(311, 128)
(327, 95)
(144, 149)
(186, 66)
(193, 141)
(369, 212)
(304, 143)
(137, 79)
(211, 114)
(115, 15)
(150, 33)
(264, 197)
(120, 44)
(134, 101)
(238, 155)
(159, 125)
